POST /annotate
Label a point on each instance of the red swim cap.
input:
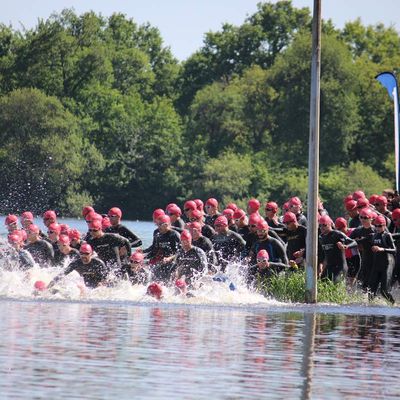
(33, 228)
(64, 240)
(93, 216)
(180, 283)
(74, 234)
(396, 213)
(157, 213)
(325, 220)
(27, 215)
(254, 204)
(197, 214)
(50, 214)
(174, 210)
(382, 200)
(351, 205)
(137, 256)
(362, 202)
(289, 217)
(262, 225)
(190, 205)
(185, 235)
(54, 227)
(294, 201)
(64, 229)
(86, 210)
(380, 220)
(221, 220)
(39, 285)
(97, 225)
(86, 248)
(358, 194)
(254, 218)
(212, 202)
(115, 211)
(195, 225)
(367, 212)
(199, 204)
(263, 254)
(11, 219)
(164, 219)
(228, 212)
(232, 206)
(155, 290)
(14, 238)
(340, 223)
(239, 214)
(272, 206)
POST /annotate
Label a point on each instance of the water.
(117, 343)
(107, 351)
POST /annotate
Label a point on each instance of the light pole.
(313, 160)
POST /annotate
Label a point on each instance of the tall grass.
(290, 287)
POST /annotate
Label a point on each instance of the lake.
(117, 343)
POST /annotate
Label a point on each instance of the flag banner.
(389, 81)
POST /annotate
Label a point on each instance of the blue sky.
(182, 23)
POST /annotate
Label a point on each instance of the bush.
(291, 287)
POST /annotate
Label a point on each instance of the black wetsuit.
(77, 246)
(136, 277)
(363, 237)
(228, 247)
(383, 264)
(92, 273)
(244, 231)
(42, 252)
(58, 256)
(274, 248)
(164, 245)
(123, 231)
(20, 259)
(301, 219)
(190, 262)
(107, 248)
(178, 225)
(296, 240)
(262, 275)
(207, 231)
(395, 230)
(233, 228)
(334, 259)
(355, 222)
(210, 219)
(251, 238)
(70, 257)
(274, 224)
(206, 245)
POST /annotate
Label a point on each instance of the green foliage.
(291, 286)
(97, 109)
(42, 151)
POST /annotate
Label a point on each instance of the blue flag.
(389, 81)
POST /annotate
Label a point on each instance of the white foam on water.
(20, 285)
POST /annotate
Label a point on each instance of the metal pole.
(313, 159)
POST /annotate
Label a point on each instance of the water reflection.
(62, 350)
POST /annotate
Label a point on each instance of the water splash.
(20, 285)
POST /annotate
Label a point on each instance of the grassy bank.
(291, 286)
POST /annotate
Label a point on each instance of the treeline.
(98, 111)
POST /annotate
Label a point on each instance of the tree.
(290, 77)
(43, 152)
(257, 41)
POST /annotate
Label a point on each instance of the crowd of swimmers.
(201, 239)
